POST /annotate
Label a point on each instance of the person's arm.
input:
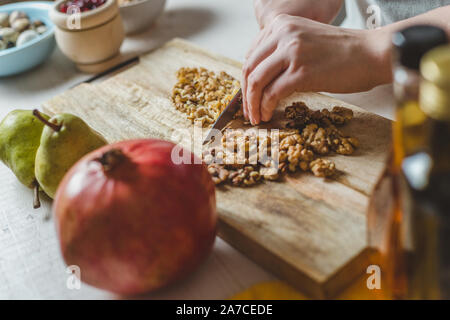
(439, 17)
(298, 54)
(322, 11)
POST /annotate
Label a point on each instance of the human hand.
(323, 11)
(298, 54)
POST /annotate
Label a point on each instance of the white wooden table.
(30, 262)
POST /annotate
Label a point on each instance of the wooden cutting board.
(306, 230)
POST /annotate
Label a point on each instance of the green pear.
(65, 140)
(20, 135)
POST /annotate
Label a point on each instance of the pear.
(20, 135)
(65, 139)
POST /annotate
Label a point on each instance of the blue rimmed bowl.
(20, 59)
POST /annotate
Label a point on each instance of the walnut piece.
(202, 95)
(322, 168)
(300, 115)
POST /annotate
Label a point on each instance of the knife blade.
(125, 64)
(226, 116)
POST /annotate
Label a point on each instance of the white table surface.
(30, 262)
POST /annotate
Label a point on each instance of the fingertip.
(250, 115)
(266, 116)
(267, 110)
(248, 108)
(244, 111)
(256, 118)
(252, 121)
(244, 105)
(253, 105)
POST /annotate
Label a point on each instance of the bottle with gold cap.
(427, 175)
(409, 46)
(385, 209)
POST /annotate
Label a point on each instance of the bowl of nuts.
(26, 36)
(138, 15)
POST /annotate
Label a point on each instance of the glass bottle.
(385, 218)
(409, 46)
(427, 174)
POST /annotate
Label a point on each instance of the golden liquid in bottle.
(408, 137)
(386, 218)
(429, 271)
(409, 131)
(392, 218)
(428, 177)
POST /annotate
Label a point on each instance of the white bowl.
(139, 15)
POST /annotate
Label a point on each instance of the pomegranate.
(132, 219)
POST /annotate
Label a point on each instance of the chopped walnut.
(300, 116)
(297, 110)
(318, 128)
(242, 177)
(203, 94)
(245, 158)
(316, 138)
(314, 134)
(347, 146)
(341, 115)
(322, 168)
(296, 148)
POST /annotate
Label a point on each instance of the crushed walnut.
(296, 148)
(319, 128)
(322, 168)
(202, 95)
(300, 115)
(246, 157)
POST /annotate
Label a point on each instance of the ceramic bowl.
(91, 37)
(20, 59)
(139, 15)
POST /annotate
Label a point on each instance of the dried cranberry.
(63, 8)
(84, 5)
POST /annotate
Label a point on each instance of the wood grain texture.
(309, 231)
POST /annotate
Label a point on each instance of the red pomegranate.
(132, 219)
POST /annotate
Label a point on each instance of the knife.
(122, 65)
(225, 117)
